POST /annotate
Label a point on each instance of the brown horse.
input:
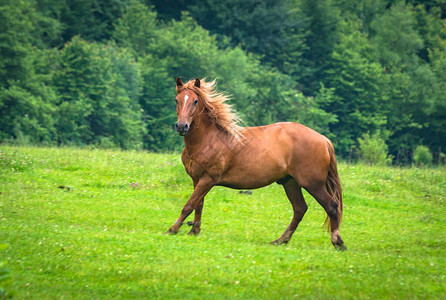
(218, 152)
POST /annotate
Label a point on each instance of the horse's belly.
(252, 177)
(245, 185)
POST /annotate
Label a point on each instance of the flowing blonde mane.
(220, 112)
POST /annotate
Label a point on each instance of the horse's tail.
(333, 183)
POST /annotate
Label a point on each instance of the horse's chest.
(197, 166)
(191, 167)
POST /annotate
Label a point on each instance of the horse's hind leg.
(331, 208)
(294, 193)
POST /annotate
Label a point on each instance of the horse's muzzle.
(182, 128)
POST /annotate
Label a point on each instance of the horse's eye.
(195, 102)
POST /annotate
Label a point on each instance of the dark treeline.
(92, 72)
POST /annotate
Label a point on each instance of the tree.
(321, 35)
(157, 102)
(98, 89)
(432, 28)
(396, 40)
(26, 100)
(359, 86)
(91, 19)
(258, 26)
(137, 28)
(415, 112)
(170, 9)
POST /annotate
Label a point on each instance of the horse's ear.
(179, 82)
(197, 82)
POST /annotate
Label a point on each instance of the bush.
(422, 156)
(373, 150)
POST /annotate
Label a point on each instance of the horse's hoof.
(171, 232)
(194, 233)
(279, 242)
(341, 247)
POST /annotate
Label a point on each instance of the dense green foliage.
(102, 72)
(373, 150)
(422, 156)
(89, 224)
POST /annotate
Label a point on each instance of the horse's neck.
(200, 132)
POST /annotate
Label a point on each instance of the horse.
(219, 152)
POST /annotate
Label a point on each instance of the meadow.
(88, 223)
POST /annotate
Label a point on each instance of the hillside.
(86, 223)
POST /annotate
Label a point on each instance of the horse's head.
(187, 101)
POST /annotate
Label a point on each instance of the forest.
(102, 73)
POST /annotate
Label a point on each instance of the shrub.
(373, 150)
(422, 156)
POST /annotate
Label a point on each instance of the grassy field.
(89, 224)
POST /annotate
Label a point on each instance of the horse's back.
(292, 135)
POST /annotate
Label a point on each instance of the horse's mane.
(218, 111)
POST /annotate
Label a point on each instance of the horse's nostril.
(182, 128)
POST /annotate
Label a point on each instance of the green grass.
(79, 227)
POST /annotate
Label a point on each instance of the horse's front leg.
(203, 186)
(196, 224)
